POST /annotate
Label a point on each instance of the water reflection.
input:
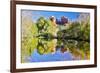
(57, 56)
(45, 40)
(50, 48)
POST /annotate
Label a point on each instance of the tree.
(76, 37)
(28, 38)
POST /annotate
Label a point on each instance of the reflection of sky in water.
(57, 56)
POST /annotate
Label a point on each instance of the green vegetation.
(45, 37)
(76, 38)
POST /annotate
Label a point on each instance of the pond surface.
(54, 49)
(57, 56)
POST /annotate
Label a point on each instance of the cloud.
(31, 14)
(26, 13)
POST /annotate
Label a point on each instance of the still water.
(57, 56)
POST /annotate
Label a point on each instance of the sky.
(35, 14)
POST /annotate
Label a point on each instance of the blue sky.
(37, 14)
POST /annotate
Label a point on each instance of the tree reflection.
(47, 38)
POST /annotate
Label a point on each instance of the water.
(57, 56)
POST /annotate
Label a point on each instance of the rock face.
(62, 21)
(53, 20)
